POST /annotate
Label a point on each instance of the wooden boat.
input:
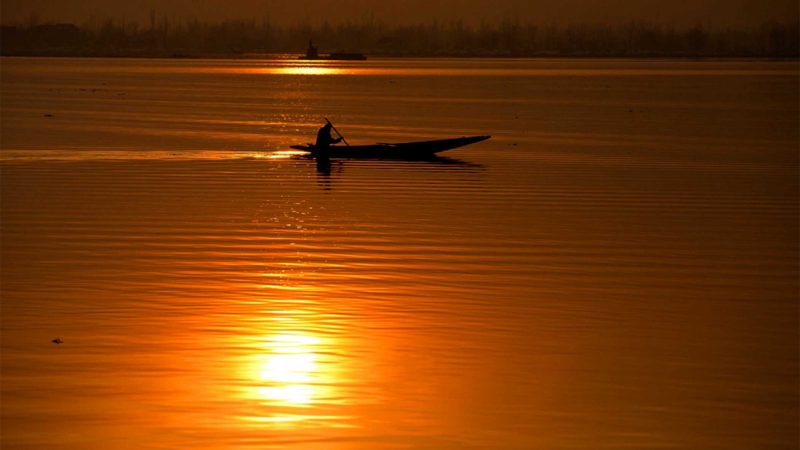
(338, 56)
(419, 149)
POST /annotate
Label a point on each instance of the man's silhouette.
(324, 141)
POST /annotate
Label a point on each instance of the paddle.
(337, 132)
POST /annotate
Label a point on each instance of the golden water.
(616, 268)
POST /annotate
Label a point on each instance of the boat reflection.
(328, 170)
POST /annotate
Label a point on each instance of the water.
(616, 268)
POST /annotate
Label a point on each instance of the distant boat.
(418, 149)
(312, 53)
(348, 56)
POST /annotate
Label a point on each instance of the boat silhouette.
(312, 53)
(403, 150)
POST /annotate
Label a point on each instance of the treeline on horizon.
(165, 37)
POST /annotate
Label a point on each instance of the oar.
(337, 132)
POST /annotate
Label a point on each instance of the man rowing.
(325, 140)
(322, 147)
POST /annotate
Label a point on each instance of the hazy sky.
(713, 12)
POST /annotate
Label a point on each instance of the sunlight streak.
(308, 70)
(288, 371)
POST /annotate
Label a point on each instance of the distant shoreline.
(233, 40)
(296, 56)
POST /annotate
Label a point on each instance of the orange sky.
(709, 12)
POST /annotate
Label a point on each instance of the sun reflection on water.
(289, 370)
(295, 364)
(308, 70)
(282, 154)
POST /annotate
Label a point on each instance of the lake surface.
(616, 268)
